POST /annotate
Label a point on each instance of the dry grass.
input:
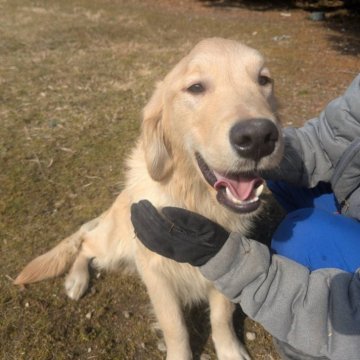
(74, 76)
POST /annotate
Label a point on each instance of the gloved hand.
(177, 233)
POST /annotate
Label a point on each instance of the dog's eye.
(197, 88)
(264, 80)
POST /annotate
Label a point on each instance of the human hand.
(176, 233)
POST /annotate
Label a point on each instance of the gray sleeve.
(318, 312)
(312, 151)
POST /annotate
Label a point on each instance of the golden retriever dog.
(208, 130)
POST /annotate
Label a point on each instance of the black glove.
(177, 233)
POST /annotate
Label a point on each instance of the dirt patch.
(74, 76)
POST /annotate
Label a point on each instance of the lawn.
(74, 76)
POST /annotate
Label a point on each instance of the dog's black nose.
(254, 138)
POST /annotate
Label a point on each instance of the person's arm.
(313, 151)
(318, 312)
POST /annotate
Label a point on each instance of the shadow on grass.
(346, 39)
(343, 17)
(197, 319)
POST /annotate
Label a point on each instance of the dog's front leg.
(169, 313)
(227, 345)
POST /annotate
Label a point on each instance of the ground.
(74, 76)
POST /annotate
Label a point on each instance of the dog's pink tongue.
(241, 187)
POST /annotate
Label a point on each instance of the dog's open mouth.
(238, 192)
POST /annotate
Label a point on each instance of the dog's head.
(217, 107)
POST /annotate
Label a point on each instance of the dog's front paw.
(234, 351)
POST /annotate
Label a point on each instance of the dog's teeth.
(232, 198)
(240, 202)
(259, 190)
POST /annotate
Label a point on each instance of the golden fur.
(162, 168)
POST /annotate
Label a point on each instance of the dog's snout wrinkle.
(254, 138)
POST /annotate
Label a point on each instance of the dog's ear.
(156, 147)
